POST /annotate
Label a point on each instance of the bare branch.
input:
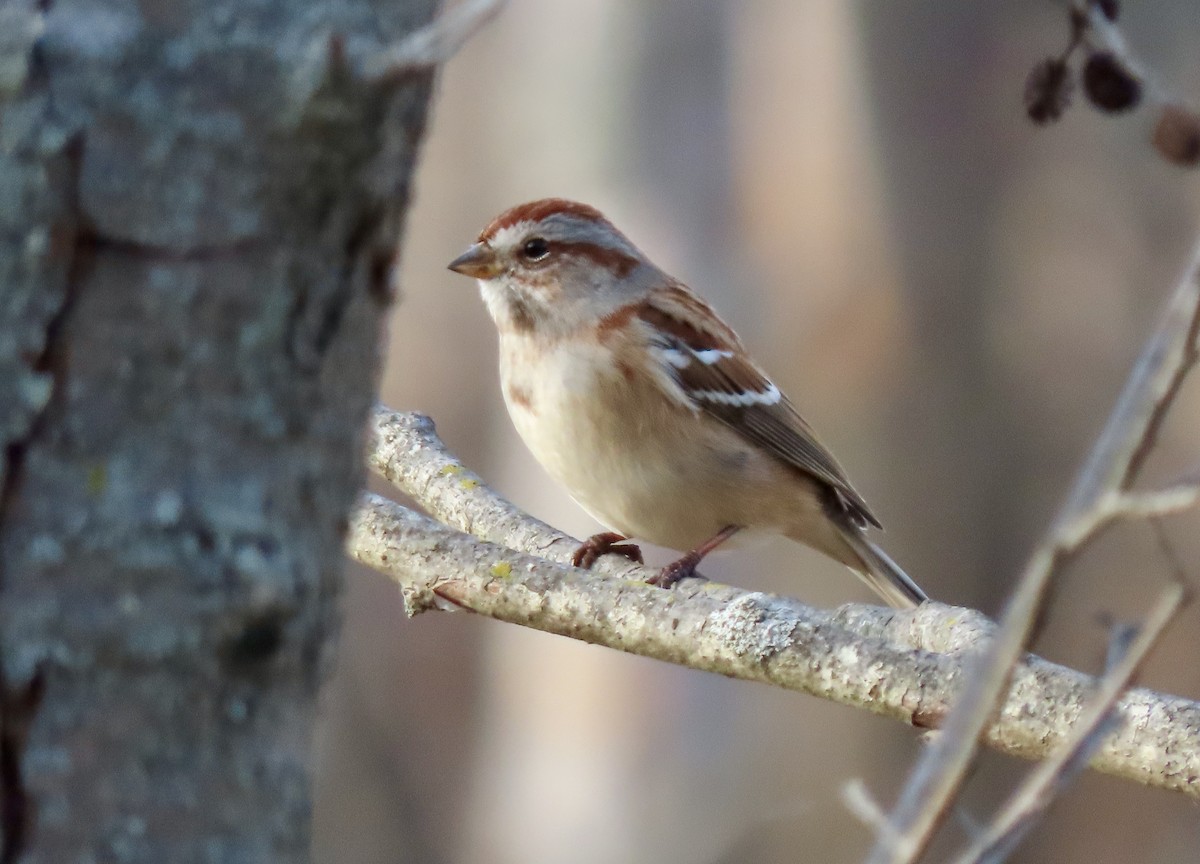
(1049, 778)
(1111, 468)
(1142, 408)
(859, 801)
(1154, 505)
(435, 43)
(406, 451)
(903, 664)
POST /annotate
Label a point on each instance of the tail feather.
(882, 574)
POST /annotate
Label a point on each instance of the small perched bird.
(635, 396)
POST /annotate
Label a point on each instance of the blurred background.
(951, 295)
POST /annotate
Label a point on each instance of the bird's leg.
(686, 566)
(601, 544)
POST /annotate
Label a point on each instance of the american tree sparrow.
(637, 398)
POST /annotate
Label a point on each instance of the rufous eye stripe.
(619, 263)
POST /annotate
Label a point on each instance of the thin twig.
(1029, 800)
(434, 43)
(1123, 447)
(1113, 465)
(862, 804)
(1168, 550)
(1154, 505)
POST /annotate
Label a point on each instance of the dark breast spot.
(522, 315)
(519, 396)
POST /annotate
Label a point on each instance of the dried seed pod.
(1109, 85)
(1177, 135)
(1048, 90)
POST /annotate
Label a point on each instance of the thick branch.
(906, 665)
(406, 451)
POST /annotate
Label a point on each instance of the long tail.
(882, 573)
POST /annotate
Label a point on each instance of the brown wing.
(708, 362)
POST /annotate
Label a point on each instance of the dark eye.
(535, 249)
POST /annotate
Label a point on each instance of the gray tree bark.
(199, 207)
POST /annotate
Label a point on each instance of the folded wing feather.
(706, 359)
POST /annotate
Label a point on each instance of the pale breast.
(628, 455)
(554, 396)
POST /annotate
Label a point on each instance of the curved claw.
(603, 544)
(684, 568)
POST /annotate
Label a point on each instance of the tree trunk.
(199, 206)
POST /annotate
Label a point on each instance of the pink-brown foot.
(685, 567)
(602, 544)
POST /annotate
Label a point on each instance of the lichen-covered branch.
(405, 450)
(903, 664)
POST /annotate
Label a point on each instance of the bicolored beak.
(478, 262)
